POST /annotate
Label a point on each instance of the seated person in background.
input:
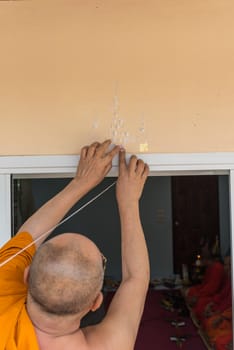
(211, 283)
(218, 326)
(206, 306)
(224, 342)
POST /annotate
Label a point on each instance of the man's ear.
(26, 274)
(97, 302)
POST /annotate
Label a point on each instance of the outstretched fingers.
(83, 152)
(99, 149)
(145, 171)
(103, 152)
(103, 147)
(115, 150)
(140, 166)
(92, 149)
(132, 164)
(89, 151)
(135, 166)
(122, 160)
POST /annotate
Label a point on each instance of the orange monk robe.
(220, 301)
(17, 332)
(223, 329)
(211, 283)
(222, 342)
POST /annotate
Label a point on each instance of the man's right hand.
(95, 163)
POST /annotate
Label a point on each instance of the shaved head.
(66, 275)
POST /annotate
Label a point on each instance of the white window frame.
(220, 163)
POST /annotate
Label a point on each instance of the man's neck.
(52, 325)
(53, 330)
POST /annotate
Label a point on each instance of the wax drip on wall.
(142, 136)
(118, 132)
(95, 128)
(95, 124)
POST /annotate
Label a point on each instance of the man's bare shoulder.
(96, 336)
(108, 335)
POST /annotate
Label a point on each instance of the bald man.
(46, 290)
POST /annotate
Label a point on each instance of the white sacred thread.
(59, 224)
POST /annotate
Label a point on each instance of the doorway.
(195, 210)
(156, 213)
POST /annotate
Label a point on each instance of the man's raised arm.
(95, 162)
(120, 326)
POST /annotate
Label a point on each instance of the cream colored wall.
(171, 63)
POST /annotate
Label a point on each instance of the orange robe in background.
(223, 329)
(221, 300)
(211, 283)
(222, 342)
(17, 332)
